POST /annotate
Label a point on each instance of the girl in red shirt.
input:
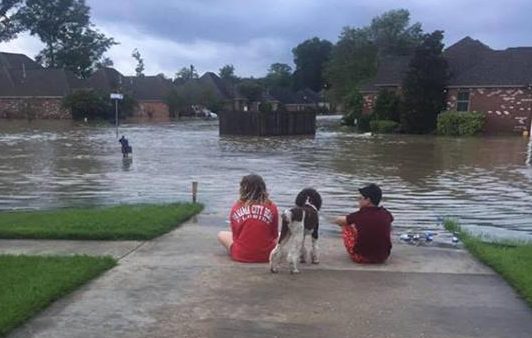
(254, 223)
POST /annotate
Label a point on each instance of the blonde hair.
(253, 190)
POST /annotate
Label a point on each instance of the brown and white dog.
(297, 223)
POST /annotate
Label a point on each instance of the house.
(228, 93)
(150, 92)
(305, 99)
(495, 82)
(211, 87)
(29, 91)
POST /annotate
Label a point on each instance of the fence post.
(194, 191)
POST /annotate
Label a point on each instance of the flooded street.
(480, 181)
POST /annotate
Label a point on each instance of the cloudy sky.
(251, 34)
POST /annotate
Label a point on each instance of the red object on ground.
(367, 235)
(255, 230)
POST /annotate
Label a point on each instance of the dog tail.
(285, 230)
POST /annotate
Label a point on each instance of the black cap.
(373, 192)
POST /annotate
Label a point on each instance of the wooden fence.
(267, 124)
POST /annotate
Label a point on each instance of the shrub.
(265, 107)
(363, 123)
(383, 126)
(96, 105)
(387, 106)
(353, 103)
(454, 123)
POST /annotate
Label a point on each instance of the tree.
(175, 102)
(353, 60)
(9, 19)
(96, 105)
(393, 35)
(70, 39)
(310, 58)
(355, 56)
(251, 90)
(353, 103)
(279, 76)
(104, 62)
(424, 85)
(187, 73)
(139, 69)
(387, 106)
(227, 72)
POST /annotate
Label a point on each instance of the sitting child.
(254, 223)
(366, 232)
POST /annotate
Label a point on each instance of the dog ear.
(297, 214)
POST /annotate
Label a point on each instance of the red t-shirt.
(255, 229)
(373, 225)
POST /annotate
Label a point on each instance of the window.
(462, 103)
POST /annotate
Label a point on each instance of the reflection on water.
(482, 181)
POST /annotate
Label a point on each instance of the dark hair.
(253, 190)
(308, 195)
(373, 192)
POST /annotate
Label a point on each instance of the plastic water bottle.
(405, 237)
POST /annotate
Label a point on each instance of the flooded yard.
(481, 181)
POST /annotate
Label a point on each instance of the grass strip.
(122, 222)
(512, 260)
(29, 283)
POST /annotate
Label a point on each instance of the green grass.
(29, 283)
(123, 222)
(512, 260)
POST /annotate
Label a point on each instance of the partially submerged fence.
(275, 123)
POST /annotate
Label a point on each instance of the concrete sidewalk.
(115, 249)
(183, 285)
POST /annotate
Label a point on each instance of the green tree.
(387, 106)
(176, 103)
(424, 85)
(251, 90)
(96, 105)
(227, 72)
(104, 62)
(310, 58)
(353, 103)
(139, 69)
(187, 73)
(279, 76)
(9, 19)
(393, 35)
(65, 29)
(353, 60)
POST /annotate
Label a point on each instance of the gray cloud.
(251, 34)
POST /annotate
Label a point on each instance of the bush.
(454, 123)
(96, 105)
(353, 103)
(383, 126)
(363, 123)
(387, 106)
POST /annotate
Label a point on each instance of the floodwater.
(480, 181)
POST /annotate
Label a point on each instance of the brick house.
(495, 82)
(149, 91)
(29, 91)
